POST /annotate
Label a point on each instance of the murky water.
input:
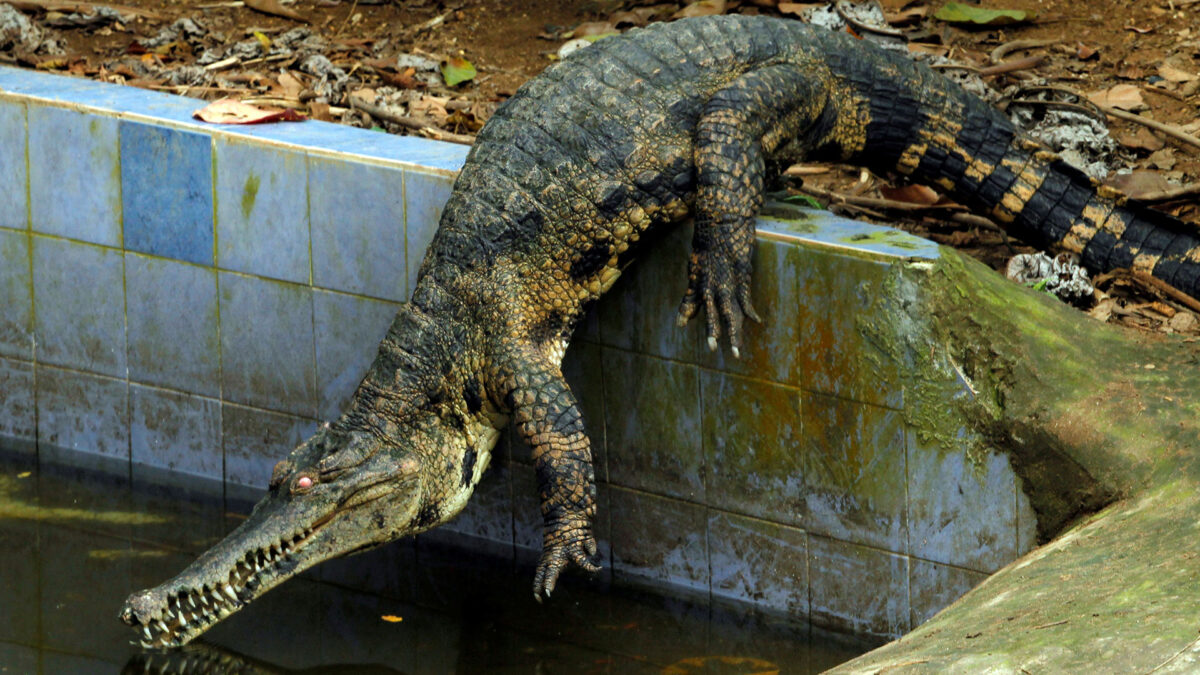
(77, 534)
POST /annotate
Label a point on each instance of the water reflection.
(78, 533)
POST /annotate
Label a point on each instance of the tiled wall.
(196, 299)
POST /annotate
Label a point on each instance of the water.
(77, 534)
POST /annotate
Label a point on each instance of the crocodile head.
(340, 492)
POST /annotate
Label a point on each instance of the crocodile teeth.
(230, 592)
(183, 622)
(204, 599)
(163, 627)
(147, 633)
(192, 601)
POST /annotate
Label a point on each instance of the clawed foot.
(563, 544)
(722, 285)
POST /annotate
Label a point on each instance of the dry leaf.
(273, 7)
(1142, 139)
(1183, 322)
(1162, 159)
(594, 28)
(433, 107)
(320, 111)
(232, 111)
(1138, 183)
(908, 16)
(290, 85)
(701, 8)
(1172, 74)
(392, 618)
(797, 8)
(911, 194)
(1084, 52)
(1123, 96)
(1103, 309)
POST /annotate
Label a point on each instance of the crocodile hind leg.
(548, 419)
(740, 127)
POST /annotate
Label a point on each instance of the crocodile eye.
(302, 484)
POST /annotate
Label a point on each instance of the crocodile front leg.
(741, 125)
(548, 419)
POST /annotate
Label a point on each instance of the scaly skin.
(635, 134)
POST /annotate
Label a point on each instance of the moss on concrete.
(1100, 424)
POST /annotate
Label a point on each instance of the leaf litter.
(439, 68)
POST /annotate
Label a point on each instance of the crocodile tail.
(926, 127)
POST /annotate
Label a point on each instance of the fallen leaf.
(232, 111)
(457, 70)
(1141, 139)
(1138, 182)
(290, 85)
(955, 12)
(797, 8)
(701, 8)
(320, 111)
(1084, 52)
(1183, 322)
(593, 28)
(25, 474)
(262, 40)
(1163, 158)
(1172, 74)
(1123, 96)
(433, 107)
(571, 46)
(275, 8)
(627, 18)
(911, 194)
(392, 618)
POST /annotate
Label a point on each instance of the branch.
(409, 122)
(1168, 129)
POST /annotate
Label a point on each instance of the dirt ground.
(383, 64)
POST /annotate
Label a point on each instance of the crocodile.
(570, 177)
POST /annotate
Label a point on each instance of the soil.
(1094, 45)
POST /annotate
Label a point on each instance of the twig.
(1015, 64)
(841, 11)
(223, 63)
(435, 21)
(1170, 195)
(1168, 290)
(875, 202)
(409, 122)
(81, 7)
(1168, 129)
(353, 6)
(1009, 47)
(1155, 89)
(1052, 623)
(805, 170)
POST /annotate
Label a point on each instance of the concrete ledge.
(196, 298)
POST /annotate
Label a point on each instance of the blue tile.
(962, 507)
(101, 96)
(14, 197)
(795, 223)
(18, 417)
(267, 344)
(78, 293)
(653, 425)
(166, 187)
(659, 541)
(172, 324)
(759, 562)
(73, 153)
(16, 296)
(262, 210)
(425, 196)
(357, 215)
(934, 587)
(83, 412)
(639, 314)
(857, 589)
(254, 440)
(175, 431)
(753, 447)
(853, 470)
(348, 330)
